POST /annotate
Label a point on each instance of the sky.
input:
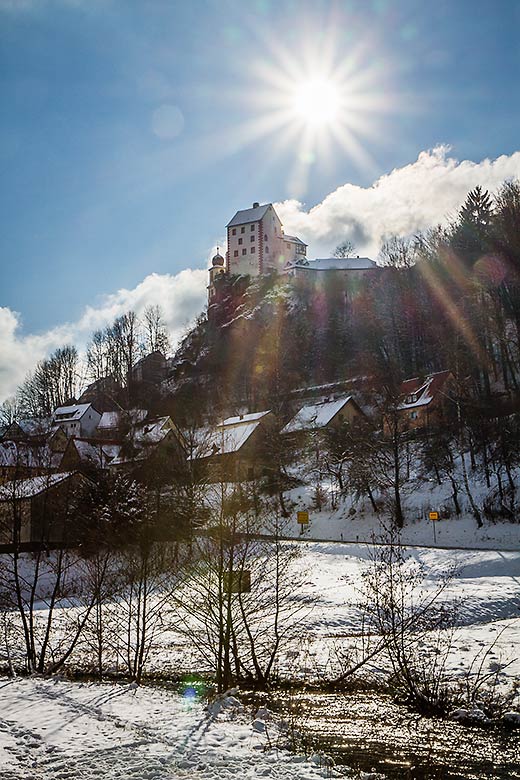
(132, 130)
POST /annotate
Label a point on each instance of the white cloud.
(181, 298)
(409, 199)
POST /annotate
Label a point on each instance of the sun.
(312, 107)
(316, 102)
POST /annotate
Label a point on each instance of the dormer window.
(412, 398)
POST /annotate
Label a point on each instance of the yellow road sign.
(433, 515)
(303, 518)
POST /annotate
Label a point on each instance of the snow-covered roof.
(249, 215)
(30, 427)
(27, 488)
(419, 391)
(111, 420)
(66, 413)
(245, 418)
(19, 454)
(224, 439)
(315, 416)
(152, 431)
(90, 453)
(336, 264)
(111, 450)
(293, 239)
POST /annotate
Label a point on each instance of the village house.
(40, 511)
(322, 416)
(156, 442)
(234, 449)
(151, 368)
(79, 420)
(89, 455)
(103, 393)
(424, 402)
(21, 459)
(116, 425)
(36, 430)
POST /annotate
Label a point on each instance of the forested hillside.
(446, 299)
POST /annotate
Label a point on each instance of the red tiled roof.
(424, 388)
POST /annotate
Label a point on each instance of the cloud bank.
(409, 199)
(181, 298)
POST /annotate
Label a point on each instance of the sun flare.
(324, 103)
(316, 102)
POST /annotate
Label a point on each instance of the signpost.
(303, 520)
(434, 516)
(237, 581)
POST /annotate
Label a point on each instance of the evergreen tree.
(472, 236)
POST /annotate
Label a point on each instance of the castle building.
(257, 243)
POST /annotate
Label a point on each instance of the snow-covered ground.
(57, 729)
(354, 521)
(486, 587)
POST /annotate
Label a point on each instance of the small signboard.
(237, 581)
(433, 515)
(303, 518)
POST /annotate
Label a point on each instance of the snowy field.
(59, 729)
(56, 729)
(486, 587)
(357, 523)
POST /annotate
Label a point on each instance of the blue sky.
(127, 130)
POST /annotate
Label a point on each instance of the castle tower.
(218, 267)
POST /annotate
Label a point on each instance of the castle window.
(265, 236)
(244, 251)
(242, 230)
(234, 231)
(252, 250)
(240, 240)
(252, 227)
(252, 238)
(413, 415)
(266, 249)
(235, 253)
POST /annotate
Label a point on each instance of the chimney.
(255, 205)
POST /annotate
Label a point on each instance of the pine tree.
(472, 236)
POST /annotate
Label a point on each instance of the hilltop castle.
(257, 244)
